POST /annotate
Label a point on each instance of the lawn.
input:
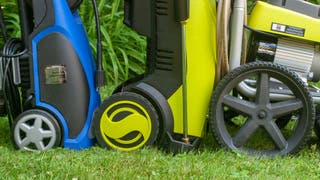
(208, 162)
(121, 62)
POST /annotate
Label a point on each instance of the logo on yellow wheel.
(125, 125)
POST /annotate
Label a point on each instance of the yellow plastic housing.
(201, 55)
(264, 15)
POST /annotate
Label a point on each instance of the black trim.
(26, 21)
(182, 10)
(164, 64)
(137, 15)
(43, 11)
(73, 4)
(47, 21)
(261, 32)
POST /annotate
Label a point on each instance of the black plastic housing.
(181, 10)
(137, 15)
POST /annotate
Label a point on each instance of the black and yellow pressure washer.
(169, 104)
(259, 66)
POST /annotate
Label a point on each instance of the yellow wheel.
(126, 121)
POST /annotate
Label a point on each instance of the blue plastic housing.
(70, 26)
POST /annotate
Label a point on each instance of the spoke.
(39, 145)
(276, 135)
(285, 107)
(38, 123)
(263, 96)
(25, 127)
(46, 134)
(239, 104)
(245, 133)
(25, 142)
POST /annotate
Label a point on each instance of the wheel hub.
(34, 135)
(262, 114)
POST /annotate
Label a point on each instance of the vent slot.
(162, 7)
(164, 60)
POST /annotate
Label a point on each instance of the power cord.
(10, 91)
(100, 74)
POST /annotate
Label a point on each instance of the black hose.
(100, 74)
(3, 26)
(11, 94)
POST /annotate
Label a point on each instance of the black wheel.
(317, 121)
(36, 130)
(257, 131)
(283, 121)
(126, 121)
(230, 115)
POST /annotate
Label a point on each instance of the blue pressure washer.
(49, 79)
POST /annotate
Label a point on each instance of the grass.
(124, 57)
(208, 162)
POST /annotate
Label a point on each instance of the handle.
(182, 10)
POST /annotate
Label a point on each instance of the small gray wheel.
(36, 130)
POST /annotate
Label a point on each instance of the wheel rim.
(126, 121)
(34, 132)
(136, 119)
(259, 115)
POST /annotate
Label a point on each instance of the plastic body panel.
(137, 15)
(62, 80)
(201, 58)
(261, 19)
(164, 62)
(69, 26)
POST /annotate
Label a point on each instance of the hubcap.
(34, 132)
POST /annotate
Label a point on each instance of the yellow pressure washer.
(261, 103)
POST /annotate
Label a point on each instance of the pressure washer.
(49, 78)
(167, 106)
(248, 77)
(208, 62)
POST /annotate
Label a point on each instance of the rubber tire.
(132, 97)
(214, 123)
(50, 117)
(317, 122)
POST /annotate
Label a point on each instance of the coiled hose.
(9, 90)
(224, 11)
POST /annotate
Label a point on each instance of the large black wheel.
(317, 122)
(126, 121)
(257, 129)
(36, 130)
